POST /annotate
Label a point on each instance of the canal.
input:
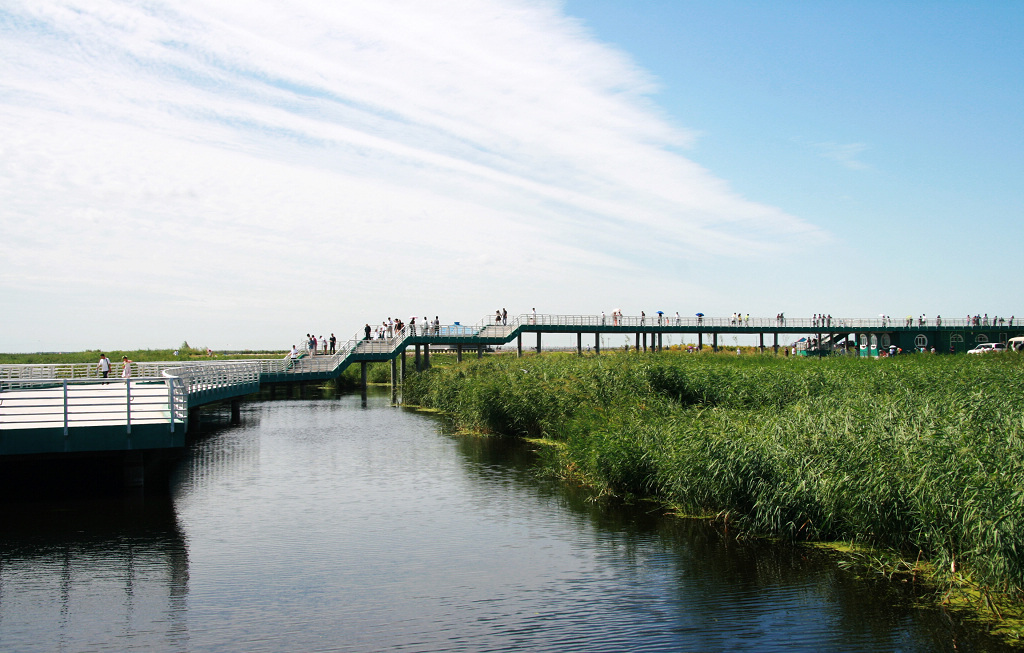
(338, 524)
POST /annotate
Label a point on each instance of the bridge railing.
(202, 380)
(766, 323)
(69, 402)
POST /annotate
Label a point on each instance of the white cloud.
(845, 154)
(246, 155)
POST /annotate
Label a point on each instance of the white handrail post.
(170, 400)
(128, 403)
(65, 408)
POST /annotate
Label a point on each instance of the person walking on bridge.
(334, 341)
(103, 365)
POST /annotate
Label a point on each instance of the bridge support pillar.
(362, 375)
(458, 353)
(714, 341)
(776, 346)
(519, 346)
(762, 342)
(538, 342)
(479, 352)
(579, 344)
(236, 411)
(426, 356)
(700, 342)
(193, 420)
(403, 364)
(661, 342)
(638, 342)
(419, 365)
(394, 380)
(597, 343)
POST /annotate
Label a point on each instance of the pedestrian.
(366, 331)
(504, 317)
(294, 353)
(126, 370)
(103, 366)
(334, 341)
(497, 317)
(324, 341)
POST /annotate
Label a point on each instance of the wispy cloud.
(845, 154)
(243, 151)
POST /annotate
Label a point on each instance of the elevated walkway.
(68, 408)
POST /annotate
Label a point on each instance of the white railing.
(67, 403)
(767, 323)
(161, 393)
(202, 379)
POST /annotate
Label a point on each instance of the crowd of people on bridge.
(314, 344)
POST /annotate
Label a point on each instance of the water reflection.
(94, 570)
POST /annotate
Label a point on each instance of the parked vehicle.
(1015, 344)
(987, 347)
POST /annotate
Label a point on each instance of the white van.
(1015, 344)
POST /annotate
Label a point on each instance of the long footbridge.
(59, 409)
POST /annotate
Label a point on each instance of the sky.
(238, 174)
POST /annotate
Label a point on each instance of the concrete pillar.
(419, 364)
(661, 343)
(362, 375)
(700, 342)
(519, 346)
(458, 353)
(479, 352)
(714, 341)
(538, 342)
(579, 344)
(638, 342)
(762, 342)
(597, 343)
(776, 346)
(236, 411)
(403, 364)
(394, 380)
(645, 342)
(426, 356)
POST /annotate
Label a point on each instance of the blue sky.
(238, 174)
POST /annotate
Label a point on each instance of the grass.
(138, 355)
(921, 455)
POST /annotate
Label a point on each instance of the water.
(327, 525)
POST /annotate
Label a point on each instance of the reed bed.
(922, 454)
